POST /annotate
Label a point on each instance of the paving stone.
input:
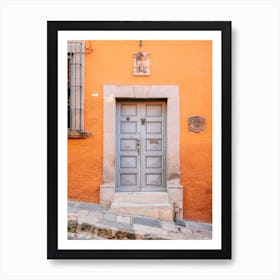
(206, 226)
(169, 226)
(185, 230)
(192, 224)
(72, 217)
(82, 236)
(98, 215)
(72, 203)
(72, 210)
(147, 230)
(123, 219)
(146, 221)
(83, 212)
(203, 238)
(180, 222)
(109, 216)
(91, 206)
(180, 236)
(91, 220)
(116, 225)
(202, 233)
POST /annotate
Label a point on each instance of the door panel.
(128, 162)
(128, 144)
(128, 179)
(153, 127)
(129, 110)
(128, 127)
(154, 110)
(153, 144)
(153, 175)
(140, 148)
(153, 179)
(127, 138)
(153, 161)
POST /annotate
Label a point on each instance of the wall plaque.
(196, 124)
(141, 64)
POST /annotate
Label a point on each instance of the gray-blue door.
(140, 146)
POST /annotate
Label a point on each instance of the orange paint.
(184, 63)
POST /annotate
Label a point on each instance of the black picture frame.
(53, 27)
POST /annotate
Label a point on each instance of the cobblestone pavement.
(92, 221)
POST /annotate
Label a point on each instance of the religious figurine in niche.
(141, 62)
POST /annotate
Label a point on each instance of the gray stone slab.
(82, 236)
(180, 236)
(90, 220)
(169, 226)
(72, 203)
(179, 222)
(72, 217)
(91, 206)
(151, 232)
(96, 214)
(83, 212)
(123, 219)
(117, 225)
(146, 222)
(186, 231)
(109, 216)
(206, 226)
(192, 224)
(72, 209)
(202, 233)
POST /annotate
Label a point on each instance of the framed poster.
(139, 161)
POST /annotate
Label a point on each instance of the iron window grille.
(75, 86)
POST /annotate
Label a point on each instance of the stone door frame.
(169, 92)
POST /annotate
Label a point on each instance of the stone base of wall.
(175, 196)
(106, 195)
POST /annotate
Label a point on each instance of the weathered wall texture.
(184, 63)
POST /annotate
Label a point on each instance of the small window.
(68, 92)
(75, 90)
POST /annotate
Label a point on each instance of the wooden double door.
(141, 145)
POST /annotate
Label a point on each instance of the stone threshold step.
(134, 204)
(163, 211)
(141, 197)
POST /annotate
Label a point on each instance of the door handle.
(138, 146)
(143, 120)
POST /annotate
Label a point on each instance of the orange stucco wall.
(184, 63)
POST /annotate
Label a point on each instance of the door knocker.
(143, 120)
